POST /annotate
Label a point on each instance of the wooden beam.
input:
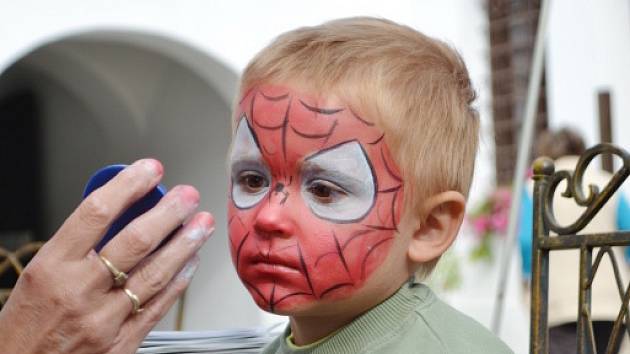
(605, 127)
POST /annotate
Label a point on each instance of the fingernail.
(152, 166)
(189, 269)
(188, 194)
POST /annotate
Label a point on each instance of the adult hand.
(65, 301)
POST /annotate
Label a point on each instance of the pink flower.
(481, 224)
(499, 222)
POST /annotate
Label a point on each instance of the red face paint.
(315, 198)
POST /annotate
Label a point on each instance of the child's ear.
(436, 228)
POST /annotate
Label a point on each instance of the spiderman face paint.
(315, 198)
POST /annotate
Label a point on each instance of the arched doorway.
(103, 97)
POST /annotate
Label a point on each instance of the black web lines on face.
(280, 189)
(272, 300)
(394, 191)
(282, 127)
(325, 136)
(250, 175)
(238, 248)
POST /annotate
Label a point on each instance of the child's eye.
(252, 182)
(325, 191)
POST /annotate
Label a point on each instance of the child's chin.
(296, 306)
(292, 298)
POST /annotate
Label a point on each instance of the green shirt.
(413, 320)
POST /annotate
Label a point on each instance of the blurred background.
(84, 84)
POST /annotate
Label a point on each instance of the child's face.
(315, 198)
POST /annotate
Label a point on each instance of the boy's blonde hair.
(415, 88)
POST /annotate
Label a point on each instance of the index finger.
(92, 218)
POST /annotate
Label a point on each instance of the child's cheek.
(344, 258)
(238, 233)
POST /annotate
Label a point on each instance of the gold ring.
(119, 277)
(135, 302)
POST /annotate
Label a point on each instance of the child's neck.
(307, 330)
(310, 329)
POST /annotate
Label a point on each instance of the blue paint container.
(145, 203)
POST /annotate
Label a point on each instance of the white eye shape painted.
(249, 173)
(338, 183)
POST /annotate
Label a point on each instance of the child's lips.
(274, 263)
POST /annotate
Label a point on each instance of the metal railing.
(545, 185)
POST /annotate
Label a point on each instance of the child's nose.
(274, 217)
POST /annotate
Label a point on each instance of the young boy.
(353, 152)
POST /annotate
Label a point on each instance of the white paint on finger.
(189, 269)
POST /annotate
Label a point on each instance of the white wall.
(589, 50)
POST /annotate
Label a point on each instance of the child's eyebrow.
(312, 168)
(274, 98)
(327, 111)
(245, 162)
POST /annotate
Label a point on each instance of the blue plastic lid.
(145, 203)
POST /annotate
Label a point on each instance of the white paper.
(247, 340)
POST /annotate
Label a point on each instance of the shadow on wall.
(89, 100)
